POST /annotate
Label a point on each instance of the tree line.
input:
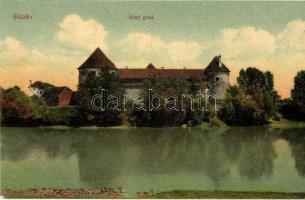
(252, 101)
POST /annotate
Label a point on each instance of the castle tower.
(218, 77)
(94, 64)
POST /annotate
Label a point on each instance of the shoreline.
(118, 194)
(274, 125)
(218, 194)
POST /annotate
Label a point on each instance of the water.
(144, 159)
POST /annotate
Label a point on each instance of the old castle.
(215, 76)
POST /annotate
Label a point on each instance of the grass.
(284, 123)
(182, 194)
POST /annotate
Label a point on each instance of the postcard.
(152, 99)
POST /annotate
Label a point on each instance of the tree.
(166, 89)
(252, 101)
(94, 85)
(260, 86)
(17, 108)
(251, 78)
(241, 109)
(298, 92)
(294, 108)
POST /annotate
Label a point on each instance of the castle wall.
(221, 84)
(218, 82)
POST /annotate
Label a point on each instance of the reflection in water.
(251, 151)
(296, 139)
(100, 158)
(108, 158)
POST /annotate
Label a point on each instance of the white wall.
(221, 85)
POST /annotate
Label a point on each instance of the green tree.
(259, 95)
(164, 116)
(241, 109)
(298, 91)
(93, 85)
(294, 108)
(17, 108)
(251, 78)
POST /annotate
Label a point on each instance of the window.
(217, 79)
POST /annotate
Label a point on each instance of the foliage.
(252, 101)
(241, 109)
(298, 92)
(63, 116)
(216, 122)
(260, 86)
(294, 108)
(93, 86)
(43, 85)
(165, 117)
(18, 108)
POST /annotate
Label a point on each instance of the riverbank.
(117, 193)
(283, 123)
(105, 193)
(181, 194)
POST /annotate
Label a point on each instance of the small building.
(215, 76)
(58, 96)
(52, 95)
(38, 87)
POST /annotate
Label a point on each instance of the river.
(154, 159)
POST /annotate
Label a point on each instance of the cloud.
(184, 52)
(21, 64)
(282, 53)
(12, 45)
(142, 42)
(150, 48)
(292, 38)
(247, 43)
(80, 33)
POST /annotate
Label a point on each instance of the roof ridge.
(98, 59)
(216, 65)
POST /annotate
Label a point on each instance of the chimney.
(30, 83)
(219, 61)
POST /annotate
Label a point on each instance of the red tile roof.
(98, 60)
(216, 65)
(150, 66)
(160, 73)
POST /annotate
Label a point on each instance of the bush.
(93, 86)
(216, 122)
(63, 116)
(240, 109)
(292, 111)
(164, 116)
(294, 108)
(17, 108)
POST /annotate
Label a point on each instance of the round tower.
(217, 75)
(94, 64)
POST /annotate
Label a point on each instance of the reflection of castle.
(150, 156)
(215, 76)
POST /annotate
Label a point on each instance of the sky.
(61, 34)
